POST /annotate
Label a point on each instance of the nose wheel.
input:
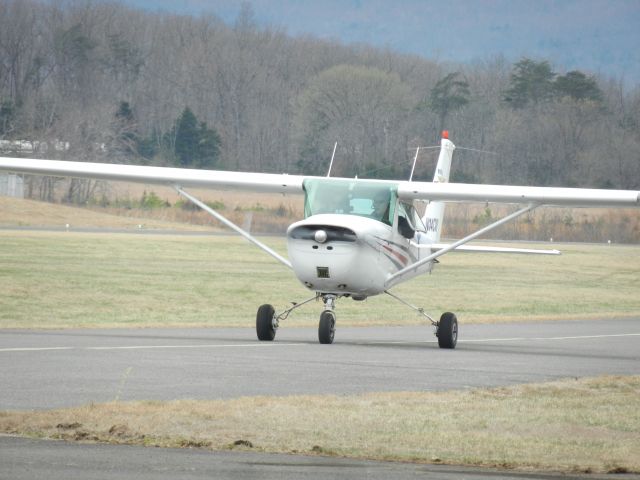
(327, 324)
(327, 327)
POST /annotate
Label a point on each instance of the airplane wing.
(183, 177)
(553, 196)
(283, 183)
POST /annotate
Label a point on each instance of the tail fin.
(435, 210)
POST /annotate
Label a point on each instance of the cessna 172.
(359, 237)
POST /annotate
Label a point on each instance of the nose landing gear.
(267, 321)
(327, 324)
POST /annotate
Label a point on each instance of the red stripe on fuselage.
(404, 260)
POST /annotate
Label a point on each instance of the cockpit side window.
(408, 220)
(417, 221)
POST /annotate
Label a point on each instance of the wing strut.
(234, 227)
(396, 276)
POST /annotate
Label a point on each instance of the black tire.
(448, 330)
(327, 327)
(264, 323)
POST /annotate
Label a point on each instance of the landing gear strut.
(446, 328)
(267, 321)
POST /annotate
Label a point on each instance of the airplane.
(358, 238)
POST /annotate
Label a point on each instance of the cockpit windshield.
(372, 199)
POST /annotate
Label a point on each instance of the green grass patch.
(65, 279)
(588, 425)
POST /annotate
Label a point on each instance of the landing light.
(320, 236)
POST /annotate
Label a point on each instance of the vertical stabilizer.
(435, 210)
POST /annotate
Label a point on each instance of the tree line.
(118, 84)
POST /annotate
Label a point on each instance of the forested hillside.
(103, 82)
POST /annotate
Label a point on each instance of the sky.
(594, 36)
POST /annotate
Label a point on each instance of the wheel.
(264, 323)
(327, 327)
(448, 330)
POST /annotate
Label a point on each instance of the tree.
(531, 83)
(186, 139)
(7, 117)
(362, 108)
(577, 86)
(208, 149)
(124, 59)
(75, 55)
(125, 138)
(448, 95)
(195, 145)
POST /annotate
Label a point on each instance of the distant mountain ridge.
(595, 36)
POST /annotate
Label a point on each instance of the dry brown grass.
(31, 213)
(588, 425)
(561, 224)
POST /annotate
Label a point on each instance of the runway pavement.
(26, 459)
(49, 369)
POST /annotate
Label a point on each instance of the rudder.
(434, 212)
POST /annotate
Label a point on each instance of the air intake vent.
(323, 272)
(334, 234)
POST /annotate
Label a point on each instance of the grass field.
(579, 426)
(65, 279)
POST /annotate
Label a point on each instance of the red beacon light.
(445, 134)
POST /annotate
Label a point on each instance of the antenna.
(335, 145)
(415, 159)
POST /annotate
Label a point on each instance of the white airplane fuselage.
(349, 254)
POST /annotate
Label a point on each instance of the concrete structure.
(11, 186)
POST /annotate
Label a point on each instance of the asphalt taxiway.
(41, 369)
(27, 459)
(58, 368)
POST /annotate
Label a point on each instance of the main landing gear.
(267, 321)
(265, 325)
(446, 328)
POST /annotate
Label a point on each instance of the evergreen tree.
(531, 83)
(187, 138)
(195, 144)
(125, 113)
(448, 95)
(7, 116)
(578, 86)
(208, 148)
